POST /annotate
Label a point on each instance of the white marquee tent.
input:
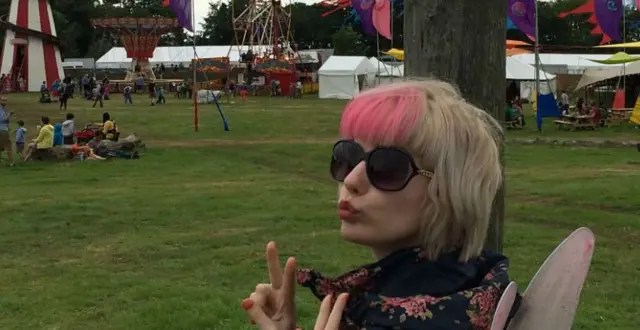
(517, 70)
(116, 57)
(342, 77)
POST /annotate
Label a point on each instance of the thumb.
(258, 315)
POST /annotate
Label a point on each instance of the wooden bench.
(513, 124)
(564, 124)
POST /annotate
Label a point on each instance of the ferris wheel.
(263, 30)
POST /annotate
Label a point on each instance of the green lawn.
(175, 240)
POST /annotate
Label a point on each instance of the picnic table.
(619, 116)
(574, 122)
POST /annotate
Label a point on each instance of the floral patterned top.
(407, 291)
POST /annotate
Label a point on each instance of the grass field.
(175, 240)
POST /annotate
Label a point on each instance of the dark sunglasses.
(388, 168)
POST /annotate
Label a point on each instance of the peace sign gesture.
(329, 318)
(272, 306)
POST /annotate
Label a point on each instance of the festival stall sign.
(213, 64)
(269, 65)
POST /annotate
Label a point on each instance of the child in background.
(21, 132)
(68, 130)
(127, 95)
(152, 92)
(58, 138)
(160, 92)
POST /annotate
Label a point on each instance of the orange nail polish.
(247, 304)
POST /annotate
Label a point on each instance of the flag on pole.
(182, 10)
(521, 13)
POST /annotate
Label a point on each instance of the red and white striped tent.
(30, 48)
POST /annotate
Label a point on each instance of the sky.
(202, 8)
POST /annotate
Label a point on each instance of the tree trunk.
(462, 42)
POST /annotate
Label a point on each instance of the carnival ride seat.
(551, 299)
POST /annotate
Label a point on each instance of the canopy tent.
(517, 70)
(342, 77)
(387, 70)
(511, 47)
(572, 63)
(618, 58)
(116, 57)
(594, 75)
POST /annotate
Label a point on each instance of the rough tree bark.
(462, 42)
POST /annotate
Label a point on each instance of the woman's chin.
(353, 233)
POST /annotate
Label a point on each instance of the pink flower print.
(483, 305)
(354, 279)
(303, 276)
(418, 306)
(490, 276)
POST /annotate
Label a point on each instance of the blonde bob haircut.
(446, 135)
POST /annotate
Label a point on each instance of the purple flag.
(364, 8)
(182, 9)
(609, 14)
(522, 14)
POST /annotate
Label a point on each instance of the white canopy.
(574, 63)
(116, 57)
(342, 77)
(387, 70)
(594, 75)
(517, 70)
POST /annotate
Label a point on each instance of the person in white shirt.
(564, 99)
(68, 129)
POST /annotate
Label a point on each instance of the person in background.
(99, 95)
(43, 143)
(594, 112)
(109, 129)
(68, 130)
(139, 84)
(65, 94)
(580, 106)
(21, 132)
(152, 92)
(5, 139)
(127, 95)
(564, 99)
(161, 99)
(58, 138)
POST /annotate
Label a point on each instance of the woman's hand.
(329, 318)
(272, 306)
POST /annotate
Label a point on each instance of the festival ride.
(30, 53)
(139, 36)
(264, 43)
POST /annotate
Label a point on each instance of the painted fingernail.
(252, 322)
(247, 304)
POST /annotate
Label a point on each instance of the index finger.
(273, 263)
(323, 314)
(336, 313)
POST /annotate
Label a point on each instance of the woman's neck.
(382, 252)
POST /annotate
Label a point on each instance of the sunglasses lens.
(389, 169)
(346, 156)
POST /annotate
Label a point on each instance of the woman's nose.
(356, 182)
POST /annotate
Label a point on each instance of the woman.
(418, 169)
(41, 146)
(109, 129)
